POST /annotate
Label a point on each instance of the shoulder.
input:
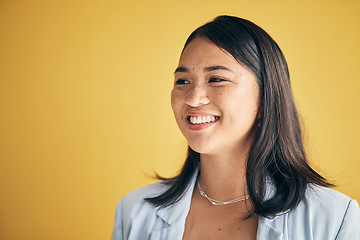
(138, 195)
(327, 201)
(135, 217)
(326, 214)
(322, 214)
(134, 202)
(324, 199)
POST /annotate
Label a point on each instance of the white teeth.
(193, 120)
(203, 119)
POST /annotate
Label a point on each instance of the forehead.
(202, 52)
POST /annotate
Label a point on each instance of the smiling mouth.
(202, 119)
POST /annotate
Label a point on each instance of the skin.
(209, 81)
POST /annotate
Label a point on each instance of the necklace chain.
(220, 203)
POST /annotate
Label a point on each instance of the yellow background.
(85, 114)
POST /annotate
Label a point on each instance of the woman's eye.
(181, 81)
(216, 80)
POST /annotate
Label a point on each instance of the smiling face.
(215, 99)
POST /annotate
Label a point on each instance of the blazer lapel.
(174, 216)
(270, 229)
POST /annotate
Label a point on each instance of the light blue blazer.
(323, 214)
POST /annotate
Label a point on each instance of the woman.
(246, 175)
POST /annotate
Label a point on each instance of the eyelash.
(214, 80)
(181, 82)
(217, 79)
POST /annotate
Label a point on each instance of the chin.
(201, 148)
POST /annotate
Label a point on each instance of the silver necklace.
(220, 203)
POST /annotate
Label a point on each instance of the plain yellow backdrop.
(85, 111)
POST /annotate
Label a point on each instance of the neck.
(223, 176)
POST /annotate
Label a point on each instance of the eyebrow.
(181, 69)
(207, 69)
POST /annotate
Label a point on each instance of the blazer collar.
(178, 212)
(175, 216)
(270, 228)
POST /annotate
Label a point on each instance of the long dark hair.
(277, 152)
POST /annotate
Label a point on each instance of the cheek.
(175, 102)
(239, 106)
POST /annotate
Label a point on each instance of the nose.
(197, 96)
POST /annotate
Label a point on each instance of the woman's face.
(215, 99)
